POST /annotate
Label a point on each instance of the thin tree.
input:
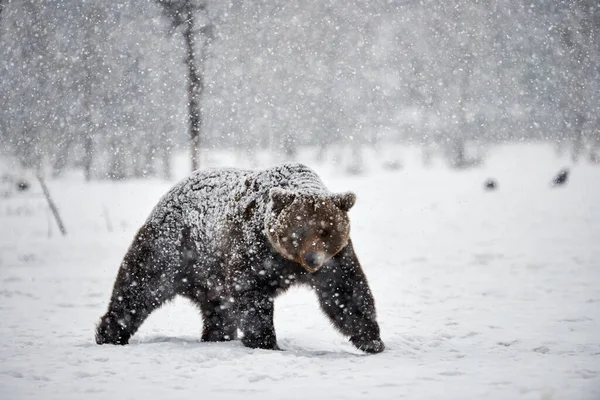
(92, 15)
(183, 14)
(88, 137)
(1, 8)
(580, 31)
(52, 205)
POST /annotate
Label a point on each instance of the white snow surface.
(479, 294)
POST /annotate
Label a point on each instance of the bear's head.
(308, 228)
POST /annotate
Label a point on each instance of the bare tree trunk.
(51, 204)
(579, 35)
(595, 145)
(577, 140)
(195, 89)
(458, 141)
(88, 141)
(148, 165)
(88, 148)
(182, 12)
(60, 159)
(117, 164)
(166, 164)
(1, 9)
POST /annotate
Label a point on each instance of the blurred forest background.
(114, 88)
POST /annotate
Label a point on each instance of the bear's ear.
(344, 201)
(280, 198)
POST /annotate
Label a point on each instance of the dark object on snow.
(232, 240)
(22, 185)
(561, 178)
(491, 184)
(392, 165)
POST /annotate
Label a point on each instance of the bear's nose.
(312, 259)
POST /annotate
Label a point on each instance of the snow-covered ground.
(491, 295)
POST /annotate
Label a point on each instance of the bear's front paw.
(369, 346)
(111, 332)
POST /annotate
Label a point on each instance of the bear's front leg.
(345, 297)
(255, 319)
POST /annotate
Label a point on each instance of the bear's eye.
(323, 233)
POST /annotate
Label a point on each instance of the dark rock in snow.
(22, 185)
(561, 178)
(490, 184)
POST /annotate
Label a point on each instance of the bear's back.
(201, 194)
(205, 197)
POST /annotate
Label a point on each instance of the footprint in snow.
(452, 373)
(508, 344)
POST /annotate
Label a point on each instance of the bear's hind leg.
(219, 324)
(127, 311)
(255, 312)
(141, 286)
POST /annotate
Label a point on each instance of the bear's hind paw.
(260, 344)
(109, 333)
(371, 346)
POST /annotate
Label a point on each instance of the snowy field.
(491, 295)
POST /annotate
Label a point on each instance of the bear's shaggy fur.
(231, 240)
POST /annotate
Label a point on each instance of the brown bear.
(232, 240)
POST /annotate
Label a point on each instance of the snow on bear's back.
(207, 195)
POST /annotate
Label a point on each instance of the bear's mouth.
(312, 270)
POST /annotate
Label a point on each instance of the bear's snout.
(313, 260)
